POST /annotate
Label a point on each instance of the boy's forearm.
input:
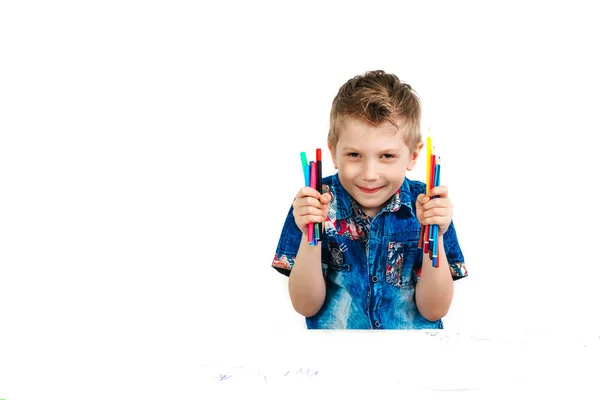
(435, 288)
(306, 283)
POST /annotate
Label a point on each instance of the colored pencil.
(428, 235)
(436, 227)
(428, 166)
(428, 187)
(423, 231)
(421, 234)
(431, 186)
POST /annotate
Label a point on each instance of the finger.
(307, 201)
(325, 198)
(306, 191)
(437, 220)
(305, 220)
(436, 212)
(437, 203)
(422, 199)
(309, 210)
(440, 191)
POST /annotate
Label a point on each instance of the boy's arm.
(435, 288)
(306, 283)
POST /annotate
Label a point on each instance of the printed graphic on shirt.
(338, 261)
(395, 262)
(458, 270)
(355, 229)
(417, 273)
(282, 262)
(350, 228)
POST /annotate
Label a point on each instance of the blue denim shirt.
(370, 265)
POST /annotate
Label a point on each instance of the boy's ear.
(332, 152)
(414, 156)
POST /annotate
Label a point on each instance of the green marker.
(305, 169)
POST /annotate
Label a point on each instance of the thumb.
(326, 202)
(422, 199)
(325, 198)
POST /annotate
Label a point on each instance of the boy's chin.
(370, 201)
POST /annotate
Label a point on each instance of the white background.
(149, 152)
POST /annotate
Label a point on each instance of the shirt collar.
(402, 197)
(345, 203)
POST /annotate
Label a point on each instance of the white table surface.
(429, 364)
(180, 365)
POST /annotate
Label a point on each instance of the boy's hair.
(376, 97)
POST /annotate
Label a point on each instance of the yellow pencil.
(428, 163)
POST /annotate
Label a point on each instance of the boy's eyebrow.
(385, 151)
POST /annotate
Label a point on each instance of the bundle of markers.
(312, 177)
(428, 237)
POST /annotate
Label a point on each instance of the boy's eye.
(388, 156)
(353, 154)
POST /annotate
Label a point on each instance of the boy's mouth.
(369, 190)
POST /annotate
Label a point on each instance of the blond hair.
(376, 97)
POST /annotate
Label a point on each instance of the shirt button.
(377, 324)
(374, 278)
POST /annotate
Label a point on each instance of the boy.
(368, 271)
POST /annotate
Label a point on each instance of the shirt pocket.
(401, 257)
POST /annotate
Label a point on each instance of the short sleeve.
(288, 245)
(454, 254)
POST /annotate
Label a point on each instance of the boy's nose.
(369, 172)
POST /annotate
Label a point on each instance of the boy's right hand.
(310, 206)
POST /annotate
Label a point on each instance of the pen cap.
(303, 158)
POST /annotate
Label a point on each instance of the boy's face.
(372, 162)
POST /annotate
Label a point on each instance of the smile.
(370, 191)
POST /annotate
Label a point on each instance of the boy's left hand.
(436, 211)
